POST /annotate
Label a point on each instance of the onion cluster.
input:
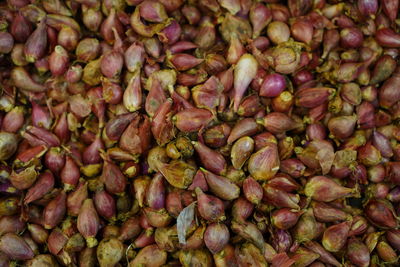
(199, 133)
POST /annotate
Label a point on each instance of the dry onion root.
(199, 133)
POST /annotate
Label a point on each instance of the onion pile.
(199, 133)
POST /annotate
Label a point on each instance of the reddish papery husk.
(244, 127)
(88, 222)
(192, 119)
(381, 213)
(61, 128)
(43, 185)
(342, 127)
(241, 209)
(38, 136)
(13, 120)
(386, 37)
(226, 257)
(335, 236)
(325, 256)
(208, 95)
(382, 144)
(260, 16)
(157, 218)
(55, 210)
(249, 106)
(293, 167)
(280, 198)
(155, 98)
(326, 213)
(324, 189)
(136, 137)
(105, 204)
(11, 224)
(211, 159)
(110, 23)
(56, 241)
(173, 203)
(222, 187)
(113, 178)
(70, 173)
(388, 95)
(285, 218)
(58, 61)
(162, 126)
(91, 154)
(40, 116)
(76, 198)
(36, 44)
(358, 252)
(264, 164)
(393, 237)
(217, 136)
(21, 28)
(252, 190)
(277, 122)
(183, 62)
(284, 182)
(15, 247)
(155, 196)
(369, 155)
(116, 126)
(216, 237)
(129, 229)
(273, 85)
(306, 227)
(383, 69)
(210, 208)
(171, 32)
(38, 233)
(23, 80)
(304, 257)
(313, 97)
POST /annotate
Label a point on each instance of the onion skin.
(15, 247)
(216, 237)
(55, 211)
(264, 164)
(210, 208)
(321, 188)
(23, 80)
(36, 43)
(388, 38)
(380, 213)
(334, 237)
(88, 222)
(211, 159)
